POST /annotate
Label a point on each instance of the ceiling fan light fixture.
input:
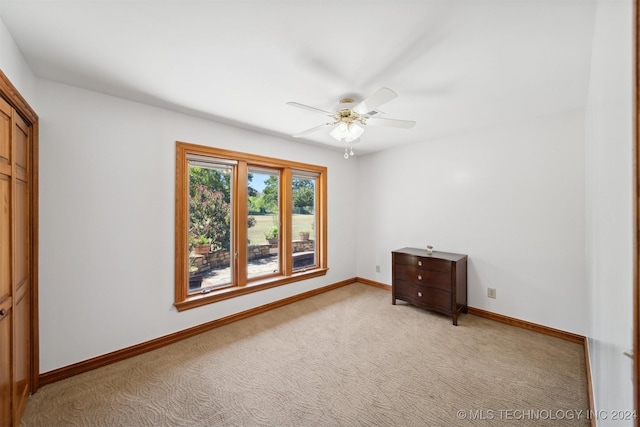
(348, 115)
(344, 132)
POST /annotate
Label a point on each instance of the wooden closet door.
(15, 270)
(21, 282)
(6, 267)
(19, 367)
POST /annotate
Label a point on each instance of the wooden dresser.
(435, 282)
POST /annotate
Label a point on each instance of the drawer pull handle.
(419, 262)
(3, 312)
(420, 294)
(419, 277)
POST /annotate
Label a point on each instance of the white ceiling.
(454, 64)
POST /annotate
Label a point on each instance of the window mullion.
(286, 205)
(240, 226)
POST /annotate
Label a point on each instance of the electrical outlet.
(377, 269)
(491, 293)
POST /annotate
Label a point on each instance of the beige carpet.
(344, 358)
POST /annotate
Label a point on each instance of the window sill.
(200, 299)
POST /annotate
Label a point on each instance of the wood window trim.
(184, 300)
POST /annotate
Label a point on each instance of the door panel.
(5, 237)
(5, 133)
(21, 247)
(6, 409)
(22, 347)
(21, 140)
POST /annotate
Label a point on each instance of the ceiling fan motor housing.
(346, 114)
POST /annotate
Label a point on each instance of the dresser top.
(449, 256)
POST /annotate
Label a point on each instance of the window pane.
(263, 254)
(304, 222)
(210, 214)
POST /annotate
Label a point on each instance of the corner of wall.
(14, 65)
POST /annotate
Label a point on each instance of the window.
(209, 225)
(303, 219)
(245, 223)
(263, 203)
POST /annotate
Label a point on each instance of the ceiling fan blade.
(306, 107)
(381, 96)
(313, 129)
(395, 123)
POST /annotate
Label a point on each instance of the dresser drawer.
(423, 296)
(423, 263)
(432, 279)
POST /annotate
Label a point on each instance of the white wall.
(609, 239)
(107, 176)
(14, 66)
(510, 197)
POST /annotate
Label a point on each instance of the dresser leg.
(455, 319)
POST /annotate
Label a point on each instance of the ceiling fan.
(349, 117)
